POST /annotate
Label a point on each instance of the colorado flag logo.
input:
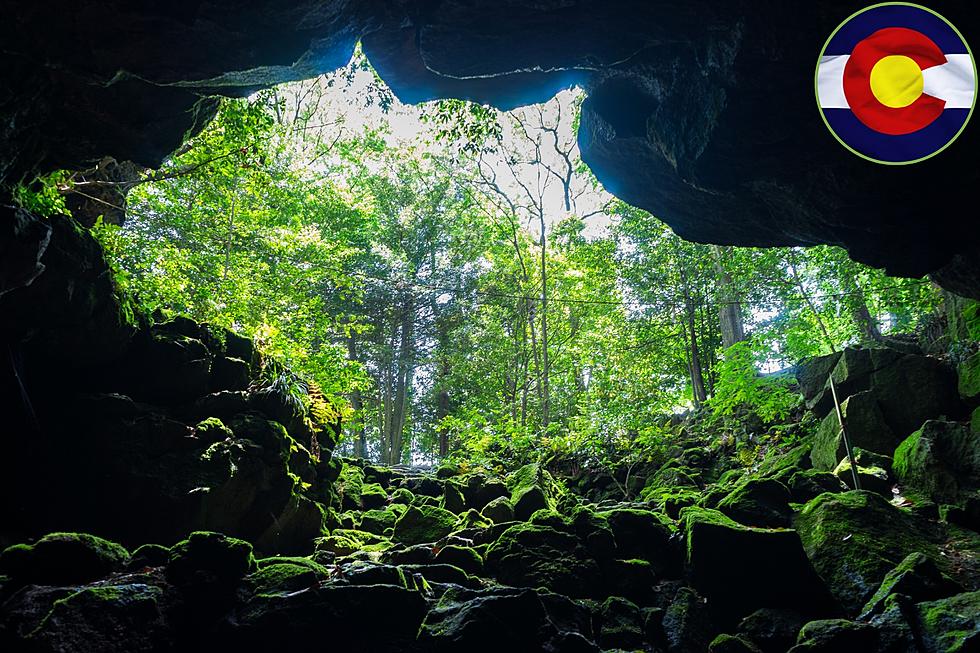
(896, 83)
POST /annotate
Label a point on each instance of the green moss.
(725, 643)
(349, 484)
(210, 557)
(969, 377)
(286, 575)
(472, 519)
(212, 429)
(464, 557)
(499, 511)
(378, 521)
(853, 539)
(63, 558)
(423, 524)
(373, 496)
(402, 496)
(951, 625)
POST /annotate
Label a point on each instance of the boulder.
(532, 488)
(831, 635)
(687, 624)
(744, 568)
(758, 502)
(231, 374)
(499, 510)
(646, 535)
(968, 373)
(463, 557)
(866, 428)
(373, 496)
(621, 624)
(941, 460)
(950, 625)
(853, 539)
(732, 644)
(479, 490)
(812, 374)
(62, 558)
(773, 630)
(453, 499)
(506, 619)
(106, 619)
(873, 472)
(379, 521)
(287, 575)
(420, 524)
(382, 618)
(916, 577)
(210, 560)
(528, 555)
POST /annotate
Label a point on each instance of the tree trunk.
(403, 381)
(729, 307)
(690, 312)
(545, 363)
(357, 404)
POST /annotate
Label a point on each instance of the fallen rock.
(916, 577)
(831, 635)
(853, 539)
(940, 460)
(420, 524)
(62, 558)
(758, 502)
(528, 555)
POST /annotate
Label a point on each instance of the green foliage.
(741, 387)
(44, 196)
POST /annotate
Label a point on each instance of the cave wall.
(700, 112)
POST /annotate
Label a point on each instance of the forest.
(457, 283)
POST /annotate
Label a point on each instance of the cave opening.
(477, 340)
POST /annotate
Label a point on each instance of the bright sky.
(354, 102)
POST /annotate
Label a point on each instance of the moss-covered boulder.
(726, 643)
(645, 535)
(766, 558)
(212, 430)
(285, 575)
(506, 619)
(527, 555)
(63, 558)
(379, 521)
(349, 485)
(853, 539)
(968, 373)
(379, 617)
(758, 502)
(873, 472)
(811, 483)
(420, 524)
(373, 496)
(149, 555)
(464, 557)
(951, 625)
(106, 619)
(532, 488)
(499, 510)
(687, 623)
(830, 635)
(480, 490)
(940, 460)
(773, 630)
(206, 558)
(453, 499)
(866, 428)
(916, 577)
(621, 624)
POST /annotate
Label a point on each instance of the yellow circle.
(896, 81)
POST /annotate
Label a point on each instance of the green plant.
(741, 387)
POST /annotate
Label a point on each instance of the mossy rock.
(873, 472)
(853, 539)
(423, 524)
(402, 496)
(472, 519)
(940, 460)
(758, 502)
(951, 625)
(373, 496)
(766, 558)
(645, 535)
(464, 557)
(349, 485)
(726, 643)
(687, 623)
(811, 483)
(528, 555)
(210, 558)
(287, 576)
(969, 379)
(671, 501)
(917, 577)
(63, 558)
(378, 521)
(621, 624)
(452, 498)
(549, 517)
(835, 635)
(532, 489)
(866, 428)
(111, 618)
(499, 511)
(149, 555)
(212, 430)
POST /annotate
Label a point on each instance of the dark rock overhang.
(700, 112)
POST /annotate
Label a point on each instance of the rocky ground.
(779, 556)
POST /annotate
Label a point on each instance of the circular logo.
(896, 83)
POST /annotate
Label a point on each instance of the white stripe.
(830, 82)
(953, 81)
